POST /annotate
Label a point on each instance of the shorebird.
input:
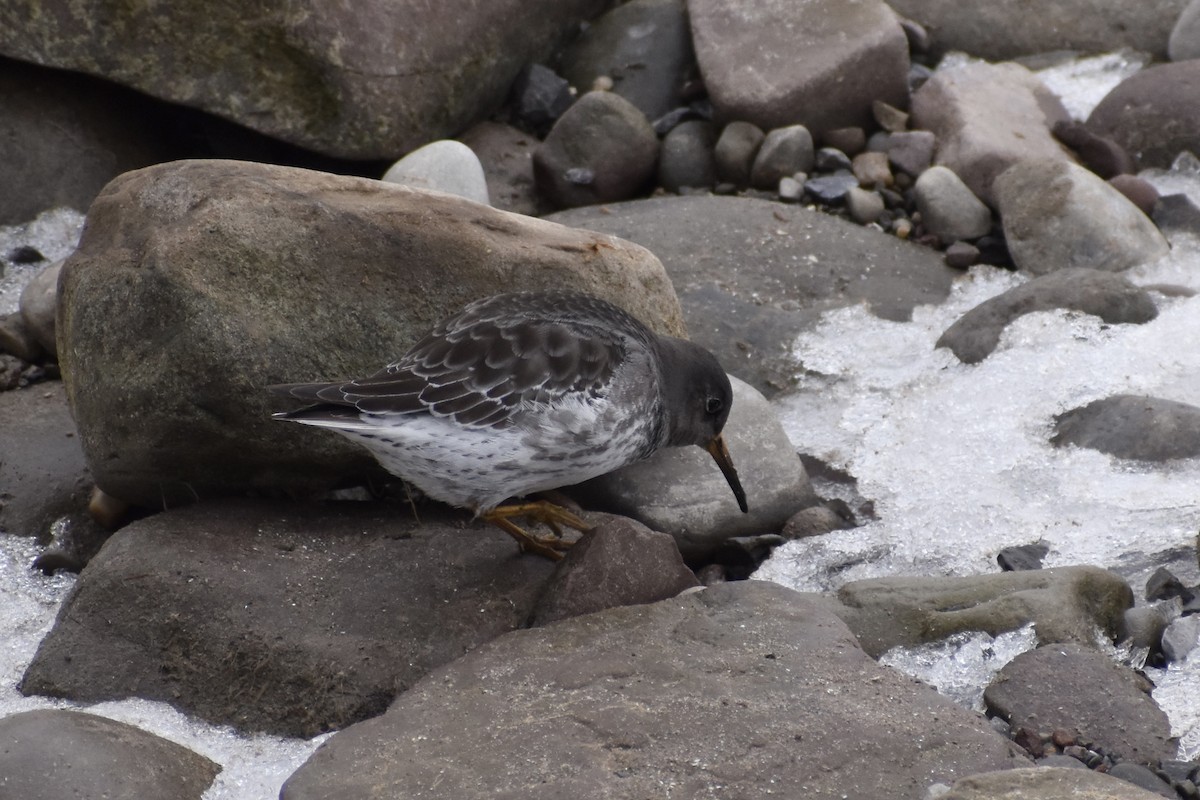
(526, 392)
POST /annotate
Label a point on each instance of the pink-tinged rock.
(986, 118)
(820, 63)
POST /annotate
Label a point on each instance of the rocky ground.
(259, 211)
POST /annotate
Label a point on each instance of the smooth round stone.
(949, 209)
(444, 165)
(601, 150)
(686, 158)
(864, 206)
(1143, 627)
(735, 152)
(1100, 154)
(962, 255)
(640, 49)
(790, 190)
(1138, 191)
(1057, 214)
(784, 152)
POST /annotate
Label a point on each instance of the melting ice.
(957, 459)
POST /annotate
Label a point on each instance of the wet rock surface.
(1067, 604)
(43, 474)
(1053, 688)
(52, 754)
(620, 703)
(1111, 297)
(280, 617)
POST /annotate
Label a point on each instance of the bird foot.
(552, 516)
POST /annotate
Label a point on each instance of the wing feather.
(495, 357)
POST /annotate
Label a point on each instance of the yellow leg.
(548, 514)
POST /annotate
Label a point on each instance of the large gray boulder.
(742, 690)
(643, 46)
(1057, 215)
(1154, 114)
(752, 274)
(63, 137)
(999, 30)
(198, 283)
(282, 617)
(362, 80)
(986, 118)
(820, 63)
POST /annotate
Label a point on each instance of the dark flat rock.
(742, 690)
(1132, 426)
(1111, 297)
(1078, 689)
(52, 754)
(751, 274)
(282, 617)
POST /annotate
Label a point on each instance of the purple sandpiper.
(527, 392)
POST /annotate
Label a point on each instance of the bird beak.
(720, 453)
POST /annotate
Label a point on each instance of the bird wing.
(481, 365)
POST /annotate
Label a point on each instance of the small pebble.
(918, 74)
(830, 159)
(1141, 776)
(790, 190)
(736, 148)
(911, 151)
(1163, 585)
(1021, 557)
(902, 228)
(872, 170)
(850, 141)
(890, 118)
(1138, 191)
(962, 255)
(864, 206)
(540, 96)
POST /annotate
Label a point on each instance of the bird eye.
(714, 405)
